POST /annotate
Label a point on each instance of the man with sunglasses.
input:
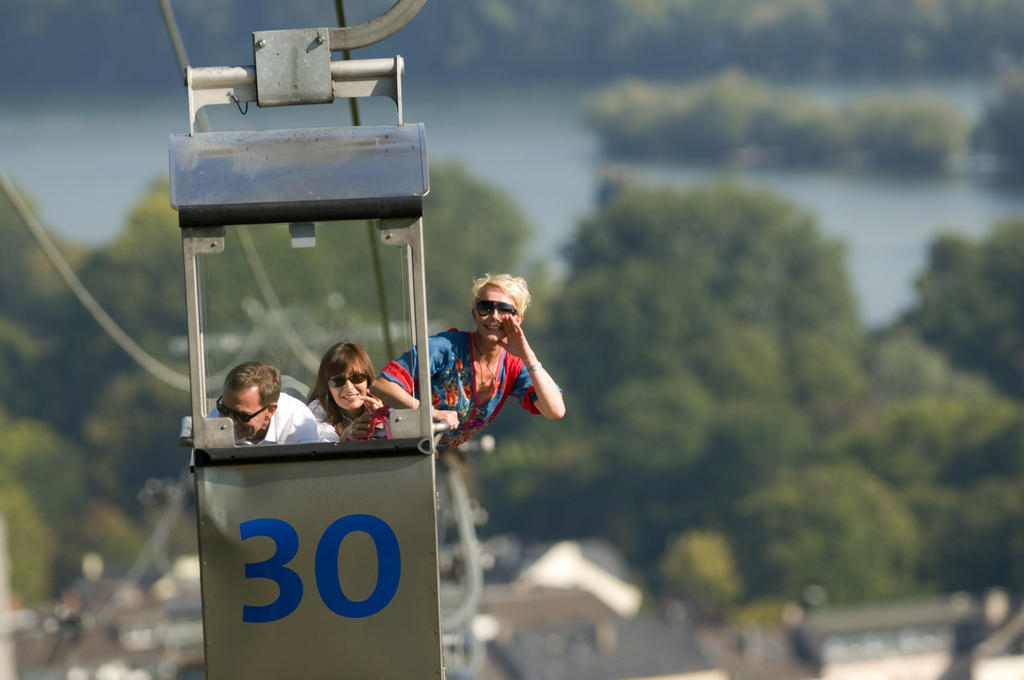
(472, 373)
(261, 414)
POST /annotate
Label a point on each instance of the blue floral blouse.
(453, 383)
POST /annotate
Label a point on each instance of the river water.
(85, 161)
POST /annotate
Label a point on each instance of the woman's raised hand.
(514, 341)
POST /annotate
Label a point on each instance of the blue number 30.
(328, 579)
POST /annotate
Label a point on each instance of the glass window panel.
(263, 299)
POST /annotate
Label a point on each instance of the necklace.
(492, 384)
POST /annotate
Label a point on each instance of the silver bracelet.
(533, 367)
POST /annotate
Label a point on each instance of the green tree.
(830, 525)
(470, 228)
(936, 510)
(673, 279)
(138, 280)
(932, 440)
(804, 130)
(908, 133)
(20, 353)
(544, 488)
(41, 461)
(109, 531)
(941, 455)
(982, 546)
(132, 430)
(25, 269)
(828, 380)
(699, 566)
(902, 366)
(642, 432)
(31, 340)
(42, 487)
(971, 304)
(750, 443)
(878, 33)
(999, 130)
(678, 330)
(138, 277)
(744, 362)
(31, 543)
(733, 113)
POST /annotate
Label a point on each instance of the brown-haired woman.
(339, 400)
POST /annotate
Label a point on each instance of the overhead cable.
(116, 333)
(307, 358)
(277, 313)
(371, 233)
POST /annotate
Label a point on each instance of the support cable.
(116, 333)
(309, 360)
(371, 233)
(179, 52)
(277, 314)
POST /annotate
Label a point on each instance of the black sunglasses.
(237, 415)
(355, 378)
(485, 307)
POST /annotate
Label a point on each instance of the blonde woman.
(473, 372)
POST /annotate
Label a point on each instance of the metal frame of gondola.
(372, 172)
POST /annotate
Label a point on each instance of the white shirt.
(292, 423)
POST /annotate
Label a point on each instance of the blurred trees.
(713, 333)
(933, 441)
(531, 38)
(699, 566)
(725, 406)
(713, 119)
(999, 131)
(735, 117)
(983, 544)
(731, 427)
(647, 272)
(908, 133)
(972, 304)
(902, 366)
(41, 490)
(829, 525)
(721, 393)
